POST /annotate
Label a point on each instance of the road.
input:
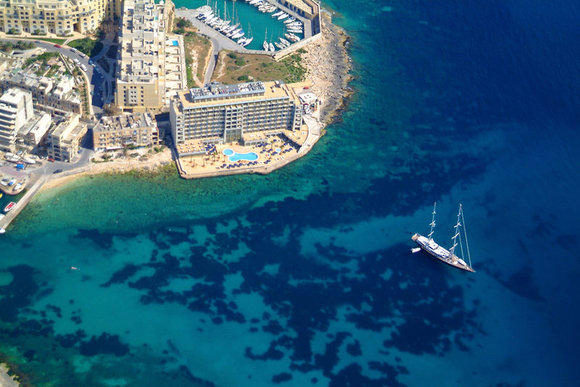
(94, 71)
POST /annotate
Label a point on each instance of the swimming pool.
(175, 43)
(234, 156)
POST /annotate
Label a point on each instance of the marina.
(252, 26)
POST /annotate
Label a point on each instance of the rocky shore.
(328, 68)
(6, 380)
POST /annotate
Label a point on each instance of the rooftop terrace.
(216, 94)
(109, 124)
(214, 91)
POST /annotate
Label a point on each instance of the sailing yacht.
(265, 45)
(428, 245)
(248, 39)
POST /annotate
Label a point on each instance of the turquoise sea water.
(304, 276)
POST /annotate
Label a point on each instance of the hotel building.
(15, 111)
(129, 130)
(60, 17)
(221, 114)
(147, 57)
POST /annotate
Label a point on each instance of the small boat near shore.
(9, 207)
(429, 246)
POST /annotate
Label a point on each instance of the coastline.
(328, 65)
(152, 165)
(7, 380)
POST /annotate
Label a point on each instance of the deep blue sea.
(304, 277)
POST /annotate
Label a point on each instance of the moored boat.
(429, 246)
(9, 206)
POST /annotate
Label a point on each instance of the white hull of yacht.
(433, 249)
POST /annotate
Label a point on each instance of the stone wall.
(296, 46)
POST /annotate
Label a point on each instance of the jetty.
(21, 204)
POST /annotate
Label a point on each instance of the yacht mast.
(454, 238)
(432, 224)
(465, 233)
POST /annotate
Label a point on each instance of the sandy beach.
(123, 165)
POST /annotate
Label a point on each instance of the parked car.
(57, 171)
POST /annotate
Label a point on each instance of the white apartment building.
(15, 111)
(141, 70)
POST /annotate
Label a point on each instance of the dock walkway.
(220, 41)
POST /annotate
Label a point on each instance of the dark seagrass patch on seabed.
(19, 293)
(102, 239)
(306, 296)
(103, 344)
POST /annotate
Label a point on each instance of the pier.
(21, 204)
